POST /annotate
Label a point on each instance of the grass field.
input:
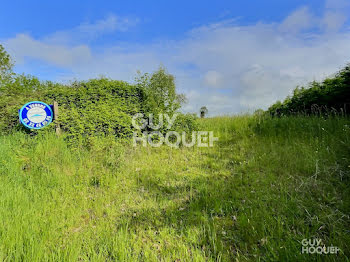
(266, 185)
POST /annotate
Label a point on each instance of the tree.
(5, 64)
(203, 111)
(259, 112)
(159, 92)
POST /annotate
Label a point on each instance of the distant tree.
(203, 111)
(5, 64)
(259, 112)
(159, 92)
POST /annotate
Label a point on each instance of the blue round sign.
(36, 115)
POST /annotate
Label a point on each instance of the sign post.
(36, 115)
(55, 112)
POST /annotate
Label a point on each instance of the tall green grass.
(265, 185)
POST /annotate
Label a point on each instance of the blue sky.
(231, 56)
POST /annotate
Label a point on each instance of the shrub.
(97, 107)
(331, 95)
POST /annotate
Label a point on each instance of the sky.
(230, 56)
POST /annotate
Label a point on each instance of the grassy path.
(263, 188)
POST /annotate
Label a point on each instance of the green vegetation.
(332, 96)
(266, 185)
(89, 195)
(94, 108)
(5, 65)
(159, 93)
(203, 111)
(89, 108)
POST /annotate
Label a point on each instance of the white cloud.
(23, 47)
(227, 67)
(64, 48)
(297, 21)
(110, 24)
(335, 14)
(337, 4)
(212, 79)
(301, 20)
(89, 31)
(334, 20)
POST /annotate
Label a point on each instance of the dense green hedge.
(94, 107)
(327, 97)
(98, 107)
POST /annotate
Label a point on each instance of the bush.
(94, 107)
(328, 97)
(98, 107)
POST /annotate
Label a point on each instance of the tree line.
(331, 96)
